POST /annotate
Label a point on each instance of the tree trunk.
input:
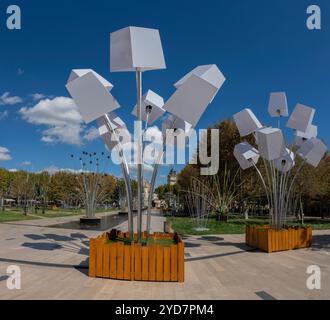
(246, 214)
(3, 204)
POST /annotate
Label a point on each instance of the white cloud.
(153, 134)
(13, 170)
(7, 99)
(26, 164)
(3, 114)
(62, 118)
(4, 154)
(20, 71)
(37, 96)
(53, 169)
(92, 134)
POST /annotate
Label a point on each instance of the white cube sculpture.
(108, 138)
(91, 97)
(286, 162)
(278, 105)
(271, 143)
(210, 73)
(156, 102)
(247, 122)
(180, 127)
(135, 48)
(301, 137)
(116, 122)
(175, 123)
(312, 151)
(77, 73)
(246, 155)
(301, 118)
(195, 91)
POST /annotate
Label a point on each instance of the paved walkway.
(54, 266)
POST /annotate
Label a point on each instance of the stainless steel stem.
(127, 180)
(293, 181)
(263, 182)
(275, 196)
(153, 178)
(139, 152)
(271, 208)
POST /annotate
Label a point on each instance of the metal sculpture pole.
(154, 175)
(139, 154)
(127, 180)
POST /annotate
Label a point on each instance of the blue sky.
(260, 46)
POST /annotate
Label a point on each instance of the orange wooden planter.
(135, 261)
(270, 240)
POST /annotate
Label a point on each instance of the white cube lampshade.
(156, 102)
(271, 143)
(91, 96)
(172, 126)
(286, 162)
(210, 73)
(278, 105)
(77, 73)
(247, 122)
(108, 141)
(312, 151)
(175, 123)
(301, 137)
(108, 138)
(116, 122)
(301, 118)
(246, 155)
(194, 93)
(135, 48)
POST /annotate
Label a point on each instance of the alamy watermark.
(14, 277)
(14, 17)
(313, 282)
(313, 21)
(173, 146)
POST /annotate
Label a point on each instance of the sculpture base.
(201, 229)
(271, 240)
(90, 221)
(113, 256)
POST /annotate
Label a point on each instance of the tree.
(23, 188)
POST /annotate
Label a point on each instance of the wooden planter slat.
(145, 263)
(174, 263)
(127, 263)
(99, 260)
(113, 261)
(120, 260)
(270, 240)
(152, 263)
(138, 262)
(160, 263)
(116, 260)
(106, 261)
(167, 264)
(92, 258)
(181, 262)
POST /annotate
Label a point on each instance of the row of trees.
(62, 188)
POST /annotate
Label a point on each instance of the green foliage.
(61, 187)
(165, 189)
(311, 187)
(235, 225)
